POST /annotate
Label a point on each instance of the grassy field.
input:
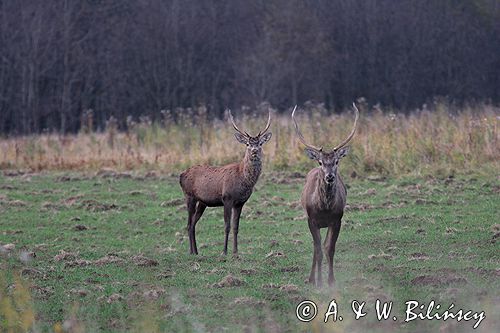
(436, 140)
(108, 252)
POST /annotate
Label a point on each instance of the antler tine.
(299, 134)
(268, 124)
(234, 125)
(346, 141)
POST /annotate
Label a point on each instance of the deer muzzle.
(330, 178)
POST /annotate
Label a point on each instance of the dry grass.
(16, 308)
(426, 141)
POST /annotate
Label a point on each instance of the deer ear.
(241, 138)
(343, 151)
(264, 138)
(312, 153)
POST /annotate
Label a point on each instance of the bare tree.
(131, 58)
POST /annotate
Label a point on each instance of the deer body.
(213, 185)
(229, 186)
(324, 199)
(323, 202)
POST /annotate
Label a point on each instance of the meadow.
(440, 139)
(93, 226)
(108, 252)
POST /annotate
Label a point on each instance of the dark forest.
(120, 58)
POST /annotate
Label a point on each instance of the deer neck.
(326, 192)
(251, 170)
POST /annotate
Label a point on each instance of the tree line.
(61, 58)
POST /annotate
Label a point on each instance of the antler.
(236, 127)
(267, 126)
(299, 134)
(245, 133)
(346, 141)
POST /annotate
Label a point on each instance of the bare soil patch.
(228, 281)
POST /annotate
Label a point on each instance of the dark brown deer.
(324, 199)
(229, 186)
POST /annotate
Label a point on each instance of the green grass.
(401, 239)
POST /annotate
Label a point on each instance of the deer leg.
(236, 212)
(330, 241)
(191, 207)
(318, 254)
(227, 224)
(200, 208)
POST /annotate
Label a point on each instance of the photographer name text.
(307, 310)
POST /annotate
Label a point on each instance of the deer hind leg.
(200, 208)
(227, 224)
(191, 208)
(330, 241)
(235, 220)
(318, 255)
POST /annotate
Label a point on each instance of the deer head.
(253, 143)
(328, 160)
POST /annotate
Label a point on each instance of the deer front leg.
(191, 207)
(330, 241)
(227, 224)
(318, 255)
(236, 213)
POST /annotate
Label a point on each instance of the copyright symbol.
(306, 311)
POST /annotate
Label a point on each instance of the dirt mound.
(80, 227)
(228, 281)
(95, 206)
(108, 259)
(290, 269)
(381, 256)
(289, 288)
(64, 256)
(418, 256)
(112, 299)
(153, 294)
(77, 263)
(247, 301)
(143, 261)
(275, 254)
(439, 281)
(173, 202)
(249, 271)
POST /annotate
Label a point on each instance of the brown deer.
(324, 199)
(229, 186)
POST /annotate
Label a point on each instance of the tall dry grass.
(425, 141)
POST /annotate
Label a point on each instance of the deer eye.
(320, 162)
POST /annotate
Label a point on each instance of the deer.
(324, 198)
(229, 186)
